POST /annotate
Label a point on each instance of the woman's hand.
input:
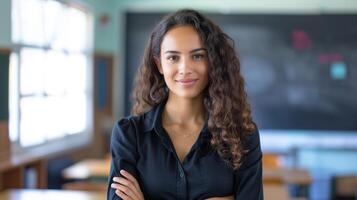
(222, 198)
(127, 188)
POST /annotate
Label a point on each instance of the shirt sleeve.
(249, 175)
(123, 148)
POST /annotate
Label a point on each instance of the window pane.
(53, 12)
(54, 112)
(31, 71)
(73, 32)
(56, 73)
(60, 38)
(76, 113)
(76, 80)
(76, 30)
(13, 97)
(31, 19)
(33, 121)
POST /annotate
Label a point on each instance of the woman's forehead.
(181, 39)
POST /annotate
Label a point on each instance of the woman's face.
(183, 62)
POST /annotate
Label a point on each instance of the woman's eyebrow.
(192, 51)
(199, 49)
(175, 52)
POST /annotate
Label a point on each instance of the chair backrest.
(271, 162)
(344, 187)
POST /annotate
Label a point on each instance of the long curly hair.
(225, 98)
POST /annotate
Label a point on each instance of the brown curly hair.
(225, 98)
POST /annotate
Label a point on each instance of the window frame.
(82, 138)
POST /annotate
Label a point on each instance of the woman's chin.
(188, 94)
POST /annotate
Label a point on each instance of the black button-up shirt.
(141, 146)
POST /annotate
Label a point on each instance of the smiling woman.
(191, 135)
(183, 62)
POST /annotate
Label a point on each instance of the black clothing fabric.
(141, 146)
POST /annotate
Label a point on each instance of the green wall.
(5, 23)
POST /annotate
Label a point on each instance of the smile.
(187, 82)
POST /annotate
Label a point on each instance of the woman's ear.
(158, 64)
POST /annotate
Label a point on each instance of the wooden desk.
(13, 168)
(97, 168)
(27, 194)
(276, 192)
(288, 176)
(300, 179)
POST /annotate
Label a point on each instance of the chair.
(344, 187)
(271, 161)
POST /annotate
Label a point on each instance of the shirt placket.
(181, 178)
(181, 181)
(182, 187)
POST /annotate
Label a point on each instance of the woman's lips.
(187, 82)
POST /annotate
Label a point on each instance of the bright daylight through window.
(50, 71)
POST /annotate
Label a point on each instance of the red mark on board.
(301, 40)
(329, 58)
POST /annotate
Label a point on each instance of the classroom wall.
(5, 23)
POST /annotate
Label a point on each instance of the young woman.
(192, 134)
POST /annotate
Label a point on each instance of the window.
(50, 72)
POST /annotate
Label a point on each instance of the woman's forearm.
(222, 198)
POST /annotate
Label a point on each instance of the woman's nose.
(185, 66)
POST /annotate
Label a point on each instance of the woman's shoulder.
(252, 139)
(252, 149)
(128, 123)
(128, 120)
(139, 123)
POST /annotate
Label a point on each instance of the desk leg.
(41, 169)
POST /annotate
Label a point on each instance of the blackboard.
(300, 70)
(4, 85)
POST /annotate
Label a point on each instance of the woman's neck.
(182, 111)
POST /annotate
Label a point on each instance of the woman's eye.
(172, 58)
(198, 57)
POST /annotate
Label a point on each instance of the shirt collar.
(153, 120)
